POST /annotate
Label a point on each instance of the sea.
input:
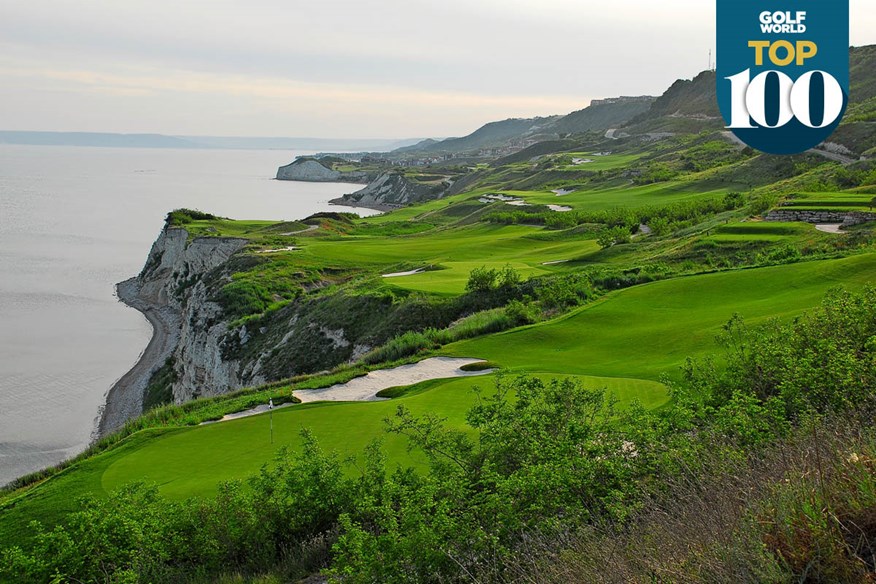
(74, 222)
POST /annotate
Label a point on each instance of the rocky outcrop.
(179, 289)
(171, 292)
(818, 217)
(392, 190)
(312, 170)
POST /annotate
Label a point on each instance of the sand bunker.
(279, 249)
(401, 274)
(365, 388)
(830, 228)
(559, 208)
(246, 413)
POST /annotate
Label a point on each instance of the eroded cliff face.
(182, 289)
(310, 170)
(175, 277)
(392, 190)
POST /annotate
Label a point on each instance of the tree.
(482, 279)
(614, 236)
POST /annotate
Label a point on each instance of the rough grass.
(802, 511)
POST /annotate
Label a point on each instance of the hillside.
(600, 116)
(491, 135)
(603, 115)
(566, 364)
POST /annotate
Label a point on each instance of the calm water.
(73, 222)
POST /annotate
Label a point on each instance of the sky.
(340, 68)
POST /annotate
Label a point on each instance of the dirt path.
(125, 399)
(300, 231)
(365, 388)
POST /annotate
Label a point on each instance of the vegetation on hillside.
(548, 464)
(630, 417)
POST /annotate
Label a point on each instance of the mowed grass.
(609, 162)
(842, 202)
(631, 197)
(188, 462)
(647, 331)
(456, 252)
(625, 343)
(193, 461)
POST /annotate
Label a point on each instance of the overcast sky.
(339, 68)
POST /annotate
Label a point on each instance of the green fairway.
(596, 161)
(841, 202)
(631, 197)
(186, 462)
(624, 342)
(649, 330)
(193, 461)
(457, 252)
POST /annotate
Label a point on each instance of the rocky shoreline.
(124, 400)
(344, 202)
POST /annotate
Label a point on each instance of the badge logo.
(783, 71)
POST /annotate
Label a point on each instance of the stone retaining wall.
(845, 218)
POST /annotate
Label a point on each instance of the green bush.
(400, 347)
(244, 298)
(614, 236)
(181, 217)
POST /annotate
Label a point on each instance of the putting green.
(193, 461)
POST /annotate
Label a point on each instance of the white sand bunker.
(402, 274)
(504, 199)
(246, 413)
(365, 388)
(559, 208)
(830, 228)
(280, 249)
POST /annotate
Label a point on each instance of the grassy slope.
(457, 250)
(629, 339)
(647, 331)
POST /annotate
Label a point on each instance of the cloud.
(395, 67)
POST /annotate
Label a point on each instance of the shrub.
(614, 236)
(181, 217)
(244, 297)
(520, 313)
(482, 279)
(405, 345)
